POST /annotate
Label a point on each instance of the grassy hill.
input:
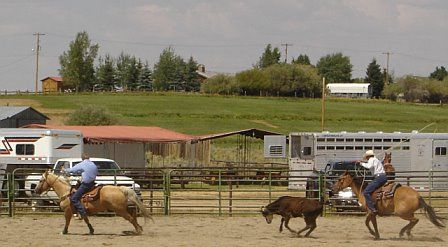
(202, 114)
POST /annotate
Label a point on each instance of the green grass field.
(203, 114)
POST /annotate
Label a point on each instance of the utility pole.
(386, 79)
(37, 59)
(286, 51)
(323, 104)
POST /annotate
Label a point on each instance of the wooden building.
(18, 116)
(52, 85)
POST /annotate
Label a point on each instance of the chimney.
(201, 68)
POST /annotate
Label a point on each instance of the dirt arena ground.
(193, 230)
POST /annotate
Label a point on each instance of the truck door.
(440, 163)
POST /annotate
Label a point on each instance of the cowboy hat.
(369, 153)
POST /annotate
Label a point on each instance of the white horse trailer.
(38, 148)
(411, 152)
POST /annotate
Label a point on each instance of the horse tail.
(431, 214)
(132, 196)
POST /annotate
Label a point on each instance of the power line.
(16, 61)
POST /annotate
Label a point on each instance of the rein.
(63, 197)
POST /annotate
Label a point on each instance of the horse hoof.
(64, 232)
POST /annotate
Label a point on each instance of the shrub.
(91, 115)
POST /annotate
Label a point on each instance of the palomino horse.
(111, 198)
(403, 204)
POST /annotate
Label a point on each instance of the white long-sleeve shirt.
(375, 166)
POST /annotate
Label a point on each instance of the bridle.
(45, 180)
(63, 197)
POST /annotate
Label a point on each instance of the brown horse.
(290, 207)
(387, 162)
(403, 204)
(111, 198)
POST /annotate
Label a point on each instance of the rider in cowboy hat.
(379, 177)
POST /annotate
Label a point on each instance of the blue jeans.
(75, 199)
(377, 182)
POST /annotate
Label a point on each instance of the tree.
(77, 69)
(145, 78)
(192, 82)
(302, 59)
(221, 84)
(128, 71)
(105, 73)
(336, 68)
(375, 78)
(164, 69)
(269, 57)
(439, 73)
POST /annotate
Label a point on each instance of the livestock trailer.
(412, 152)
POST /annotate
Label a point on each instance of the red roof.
(122, 133)
(54, 78)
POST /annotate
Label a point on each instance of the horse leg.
(368, 219)
(281, 224)
(131, 218)
(311, 222)
(375, 226)
(287, 226)
(68, 216)
(412, 222)
(86, 220)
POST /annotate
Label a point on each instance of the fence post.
(166, 191)
(321, 192)
(230, 193)
(270, 186)
(219, 192)
(430, 176)
(10, 195)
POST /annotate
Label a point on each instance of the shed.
(52, 85)
(18, 116)
(349, 90)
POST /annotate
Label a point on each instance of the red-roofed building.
(130, 145)
(52, 85)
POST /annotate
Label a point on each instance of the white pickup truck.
(109, 174)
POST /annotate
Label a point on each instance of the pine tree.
(105, 74)
(375, 78)
(269, 57)
(302, 59)
(145, 78)
(191, 76)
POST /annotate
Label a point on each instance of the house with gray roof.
(18, 116)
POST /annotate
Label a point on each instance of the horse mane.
(275, 205)
(63, 179)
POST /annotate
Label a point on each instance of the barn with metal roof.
(18, 116)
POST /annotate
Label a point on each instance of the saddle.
(386, 191)
(91, 195)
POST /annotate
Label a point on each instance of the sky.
(225, 35)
